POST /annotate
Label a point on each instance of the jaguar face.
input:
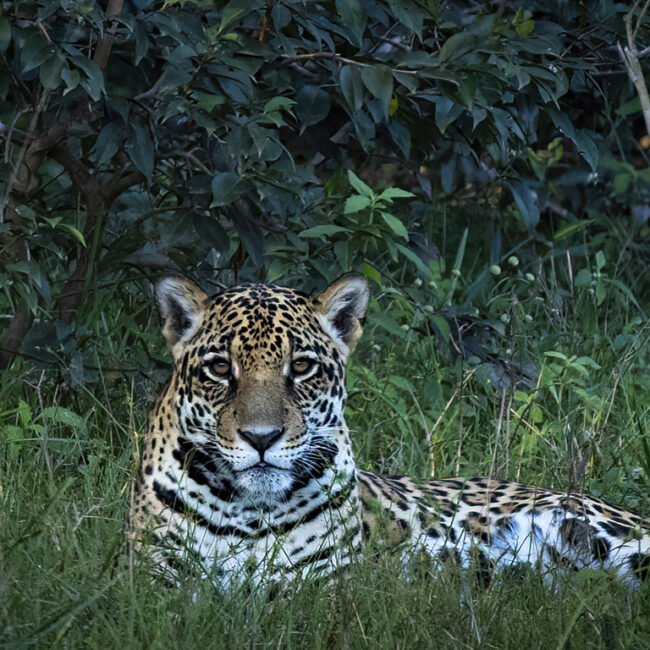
(259, 379)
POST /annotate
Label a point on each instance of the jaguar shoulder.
(248, 471)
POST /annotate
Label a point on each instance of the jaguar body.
(248, 471)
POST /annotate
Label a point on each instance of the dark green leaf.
(235, 10)
(388, 324)
(50, 73)
(353, 17)
(5, 33)
(266, 143)
(208, 101)
(352, 86)
(625, 290)
(140, 148)
(108, 143)
(322, 231)
(401, 136)
(371, 273)
(74, 232)
(525, 28)
(409, 14)
(278, 103)
(209, 229)
(571, 228)
(587, 148)
(274, 108)
(364, 129)
(448, 175)
(447, 112)
(456, 45)
(378, 79)
(94, 81)
(526, 200)
(226, 187)
(64, 416)
(629, 108)
(252, 237)
(581, 138)
(395, 225)
(239, 92)
(395, 193)
(441, 324)
(355, 203)
(312, 106)
(71, 78)
(359, 185)
(413, 257)
(141, 42)
(281, 16)
(342, 252)
(35, 51)
(621, 183)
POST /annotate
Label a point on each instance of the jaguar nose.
(261, 438)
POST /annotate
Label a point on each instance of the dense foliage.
(211, 138)
(485, 165)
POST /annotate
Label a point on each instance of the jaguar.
(248, 471)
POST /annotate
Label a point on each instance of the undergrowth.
(69, 452)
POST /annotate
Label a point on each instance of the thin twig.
(10, 133)
(429, 436)
(630, 56)
(335, 55)
(188, 155)
(23, 154)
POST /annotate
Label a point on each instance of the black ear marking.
(182, 305)
(342, 307)
(178, 320)
(344, 321)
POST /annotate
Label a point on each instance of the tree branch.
(79, 173)
(14, 333)
(105, 43)
(14, 244)
(111, 190)
(98, 200)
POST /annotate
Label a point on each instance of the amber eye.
(302, 366)
(220, 367)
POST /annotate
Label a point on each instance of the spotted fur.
(248, 472)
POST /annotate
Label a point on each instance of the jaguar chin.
(263, 485)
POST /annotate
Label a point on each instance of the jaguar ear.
(341, 309)
(182, 305)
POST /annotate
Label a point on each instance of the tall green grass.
(68, 456)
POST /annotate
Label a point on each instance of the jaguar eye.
(301, 367)
(220, 367)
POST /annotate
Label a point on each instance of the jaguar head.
(259, 380)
